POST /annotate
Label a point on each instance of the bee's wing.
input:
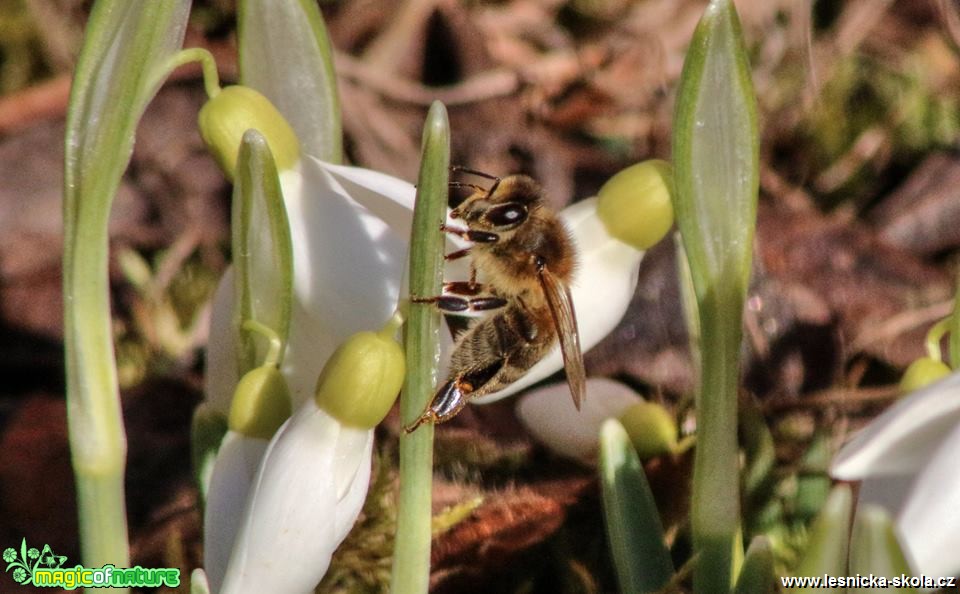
(565, 320)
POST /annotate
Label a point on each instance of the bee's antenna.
(456, 184)
(473, 172)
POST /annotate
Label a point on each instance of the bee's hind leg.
(454, 394)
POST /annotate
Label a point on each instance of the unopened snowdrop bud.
(362, 378)
(635, 204)
(261, 403)
(652, 429)
(922, 372)
(234, 110)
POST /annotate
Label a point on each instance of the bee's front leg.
(471, 234)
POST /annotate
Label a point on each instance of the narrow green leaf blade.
(875, 550)
(411, 557)
(827, 547)
(124, 58)
(634, 530)
(756, 574)
(285, 53)
(954, 329)
(262, 250)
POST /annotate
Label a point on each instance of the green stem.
(411, 556)
(273, 339)
(954, 348)
(211, 78)
(715, 514)
(934, 336)
(118, 71)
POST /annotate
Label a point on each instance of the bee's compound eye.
(507, 215)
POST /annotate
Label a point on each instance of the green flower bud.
(921, 372)
(233, 111)
(362, 379)
(261, 403)
(635, 204)
(652, 429)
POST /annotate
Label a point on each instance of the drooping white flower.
(307, 494)
(349, 230)
(907, 460)
(552, 418)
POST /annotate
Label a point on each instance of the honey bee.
(526, 259)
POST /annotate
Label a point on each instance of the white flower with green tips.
(907, 460)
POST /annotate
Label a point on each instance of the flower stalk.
(716, 162)
(122, 62)
(411, 558)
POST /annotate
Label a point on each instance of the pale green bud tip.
(362, 379)
(652, 429)
(261, 403)
(635, 204)
(233, 111)
(921, 372)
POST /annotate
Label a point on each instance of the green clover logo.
(26, 561)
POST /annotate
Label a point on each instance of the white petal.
(233, 473)
(888, 491)
(552, 418)
(348, 265)
(297, 513)
(903, 438)
(930, 520)
(387, 197)
(602, 288)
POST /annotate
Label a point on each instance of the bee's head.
(505, 208)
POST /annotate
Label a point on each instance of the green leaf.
(640, 553)
(759, 477)
(756, 574)
(827, 547)
(125, 56)
(411, 557)
(874, 549)
(262, 251)
(954, 330)
(716, 172)
(813, 483)
(206, 434)
(285, 54)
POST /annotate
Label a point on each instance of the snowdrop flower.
(285, 539)
(297, 497)
(907, 460)
(549, 414)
